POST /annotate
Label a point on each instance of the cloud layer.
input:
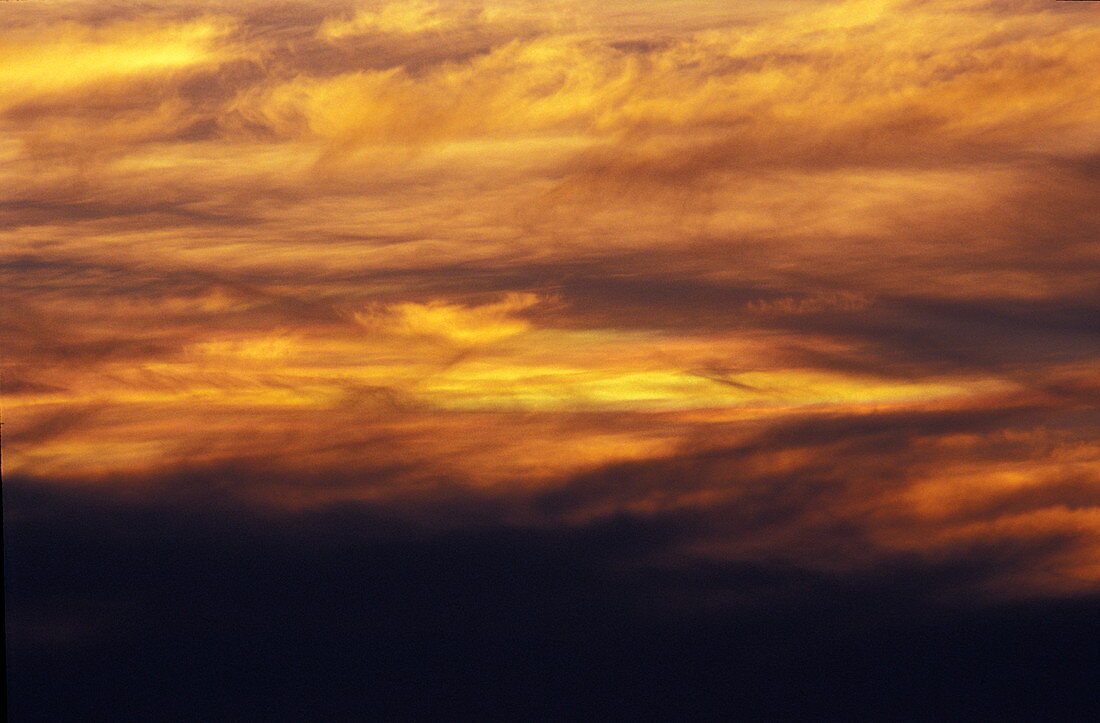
(800, 292)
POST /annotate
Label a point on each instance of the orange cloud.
(568, 257)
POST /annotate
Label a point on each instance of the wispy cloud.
(817, 280)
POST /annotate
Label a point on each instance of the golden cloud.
(571, 256)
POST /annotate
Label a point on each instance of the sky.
(720, 335)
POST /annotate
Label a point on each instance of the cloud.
(130, 604)
(44, 60)
(1004, 486)
(399, 18)
(453, 323)
(697, 311)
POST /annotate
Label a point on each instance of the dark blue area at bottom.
(120, 611)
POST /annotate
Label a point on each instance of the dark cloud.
(125, 609)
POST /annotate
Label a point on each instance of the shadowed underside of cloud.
(193, 605)
(1005, 499)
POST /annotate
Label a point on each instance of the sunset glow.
(821, 277)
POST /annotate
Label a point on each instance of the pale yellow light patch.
(453, 322)
(48, 59)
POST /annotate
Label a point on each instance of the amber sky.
(821, 277)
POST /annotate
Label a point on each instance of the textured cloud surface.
(803, 287)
